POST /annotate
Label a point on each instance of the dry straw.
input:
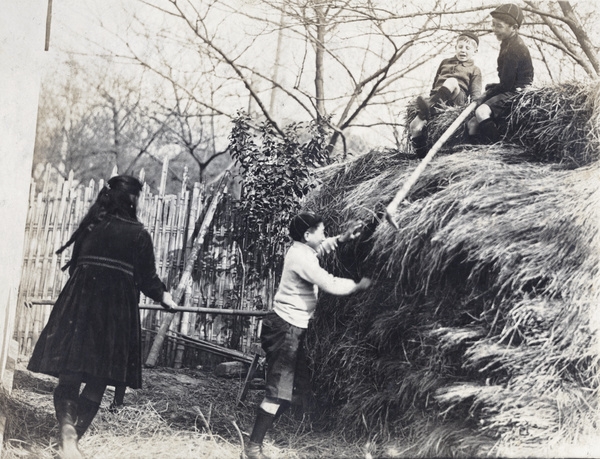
(558, 124)
(483, 320)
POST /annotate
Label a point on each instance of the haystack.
(481, 334)
(557, 124)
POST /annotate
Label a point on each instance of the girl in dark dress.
(93, 335)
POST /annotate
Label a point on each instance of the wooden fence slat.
(42, 253)
(59, 227)
(163, 177)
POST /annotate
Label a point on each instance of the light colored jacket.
(301, 279)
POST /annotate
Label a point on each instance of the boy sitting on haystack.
(456, 80)
(515, 71)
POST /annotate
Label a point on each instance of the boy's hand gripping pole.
(403, 192)
(186, 276)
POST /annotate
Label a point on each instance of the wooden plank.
(40, 210)
(244, 390)
(7, 383)
(60, 224)
(11, 365)
(183, 329)
(50, 229)
(163, 177)
(21, 313)
(208, 347)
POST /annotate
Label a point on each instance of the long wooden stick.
(187, 272)
(403, 192)
(154, 307)
(208, 346)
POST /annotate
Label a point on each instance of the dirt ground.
(177, 414)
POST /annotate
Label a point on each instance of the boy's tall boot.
(263, 422)
(489, 131)
(420, 145)
(425, 107)
(65, 405)
(282, 409)
(86, 412)
(473, 140)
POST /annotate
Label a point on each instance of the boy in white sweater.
(284, 330)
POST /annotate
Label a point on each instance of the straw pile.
(553, 124)
(481, 335)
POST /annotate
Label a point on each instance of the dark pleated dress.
(94, 327)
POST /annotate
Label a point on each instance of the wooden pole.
(227, 312)
(187, 272)
(403, 192)
(183, 328)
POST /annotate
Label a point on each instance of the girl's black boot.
(66, 414)
(86, 412)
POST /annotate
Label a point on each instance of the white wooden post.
(22, 31)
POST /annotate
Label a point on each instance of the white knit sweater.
(301, 279)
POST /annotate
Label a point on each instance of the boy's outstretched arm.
(330, 244)
(312, 272)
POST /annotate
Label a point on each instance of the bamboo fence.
(219, 280)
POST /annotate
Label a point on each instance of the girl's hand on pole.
(168, 303)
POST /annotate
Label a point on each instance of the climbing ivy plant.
(276, 174)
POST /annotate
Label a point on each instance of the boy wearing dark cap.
(284, 330)
(456, 80)
(515, 71)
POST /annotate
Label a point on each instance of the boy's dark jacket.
(515, 69)
(466, 73)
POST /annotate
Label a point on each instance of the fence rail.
(219, 281)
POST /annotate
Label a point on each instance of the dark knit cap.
(301, 223)
(509, 13)
(125, 183)
(470, 35)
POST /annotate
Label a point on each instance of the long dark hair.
(114, 199)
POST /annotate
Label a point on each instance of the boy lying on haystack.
(456, 81)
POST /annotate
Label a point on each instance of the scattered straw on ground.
(178, 414)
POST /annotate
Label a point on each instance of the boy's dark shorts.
(500, 104)
(460, 99)
(287, 362)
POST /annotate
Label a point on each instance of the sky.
(80, 26)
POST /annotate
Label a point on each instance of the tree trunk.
(277, 62)
(319, 54)
(582, 37)
(116, 132)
